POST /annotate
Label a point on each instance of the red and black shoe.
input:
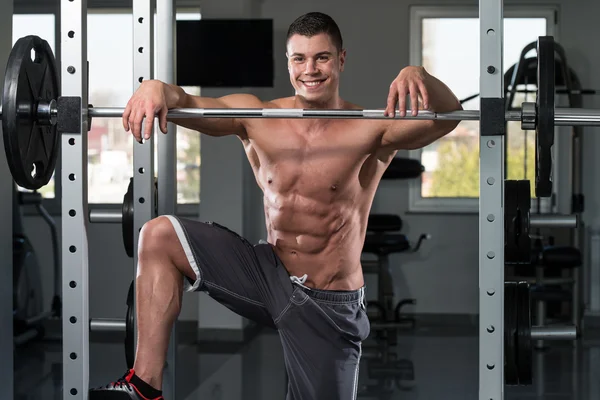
(123, 389)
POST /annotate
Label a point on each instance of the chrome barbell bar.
(562, 116)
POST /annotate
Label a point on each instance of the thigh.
(322, 348)
(229, 268)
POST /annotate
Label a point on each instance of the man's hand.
(152, 98)
(410, 81)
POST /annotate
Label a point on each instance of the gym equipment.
(519, 334)
(28, 306)
(70, 115)
(22, 108)
(30, 132)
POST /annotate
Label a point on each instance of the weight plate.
(127, 219)
(512, 252)
(524, 204)
(524, 358)
(31, 148)
(130, 329)
(511, 373)
(544, 133)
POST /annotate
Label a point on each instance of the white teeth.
(312, 83)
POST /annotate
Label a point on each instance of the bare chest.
(294, 155)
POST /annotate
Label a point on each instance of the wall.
(443, 277)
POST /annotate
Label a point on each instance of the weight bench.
(382, 239)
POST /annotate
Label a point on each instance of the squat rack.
(74, 82)
(75, 283)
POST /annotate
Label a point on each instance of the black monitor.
(225, 53)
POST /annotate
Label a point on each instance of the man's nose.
(311, 67)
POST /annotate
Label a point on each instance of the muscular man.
(318, 177)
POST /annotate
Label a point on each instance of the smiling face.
(315, 64)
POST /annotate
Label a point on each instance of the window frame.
(54, 205)
(417, 203)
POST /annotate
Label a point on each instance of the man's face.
(315, 66)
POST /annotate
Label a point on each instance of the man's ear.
(342, 59)
(287, 56)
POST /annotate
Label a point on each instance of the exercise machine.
(28, 299)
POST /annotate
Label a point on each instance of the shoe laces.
(123, 381)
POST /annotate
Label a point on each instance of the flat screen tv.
(225, 53)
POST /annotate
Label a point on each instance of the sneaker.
(122, 389)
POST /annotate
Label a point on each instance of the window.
(110, 148)
(446, 42)
(42, 25)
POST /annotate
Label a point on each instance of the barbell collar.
(106, 216)
(566, 332)
(553, 221)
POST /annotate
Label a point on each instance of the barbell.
(34, 115)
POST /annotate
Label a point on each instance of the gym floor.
(436, 363)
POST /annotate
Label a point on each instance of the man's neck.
(335, 103)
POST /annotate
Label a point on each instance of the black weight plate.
(524, 358)
(130, 329)
(511, 373)
(31, 149)
(511, 207)
(127, 219)
(524, 240)
(544, 134)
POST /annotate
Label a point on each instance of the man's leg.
(176, 255)
(321, 333)
(162, 264)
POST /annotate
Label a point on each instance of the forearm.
(176, 97)
(440, 97)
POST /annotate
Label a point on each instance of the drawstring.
(300, 281)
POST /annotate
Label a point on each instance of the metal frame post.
(6, 231)
(491, 200)
(74, 210)
(167, 155)
(143, 154)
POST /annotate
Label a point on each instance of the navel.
(334, 187)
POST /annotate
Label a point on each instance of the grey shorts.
(321, 330)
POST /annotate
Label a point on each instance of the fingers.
(414, 99)
(391, 101)
(402, 99)
(149, 114)
(424, 95)
(135, 123)
(125, 117)
(162, 119)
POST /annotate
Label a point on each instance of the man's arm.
(155, 98)
(435, 95)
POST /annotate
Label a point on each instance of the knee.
(156, 235)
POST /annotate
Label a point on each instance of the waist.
(335, 296)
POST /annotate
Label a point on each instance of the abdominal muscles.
(316, 227)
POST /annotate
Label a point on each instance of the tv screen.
(225, 53)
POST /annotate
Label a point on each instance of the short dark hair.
(314, 23)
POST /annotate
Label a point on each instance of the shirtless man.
(318, 177)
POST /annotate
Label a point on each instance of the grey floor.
(434, 364)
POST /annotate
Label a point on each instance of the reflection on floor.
(440, 364)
